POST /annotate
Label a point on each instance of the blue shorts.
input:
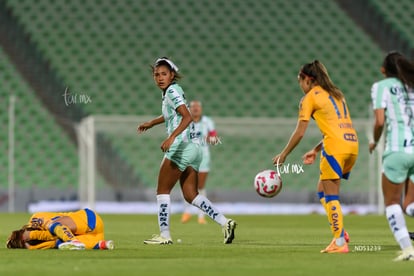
(398, 166)
(185, 154)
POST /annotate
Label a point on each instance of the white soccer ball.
(268, 183)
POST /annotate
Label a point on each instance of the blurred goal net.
(117, 164)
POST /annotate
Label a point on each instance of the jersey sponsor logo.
(408, 143)
(346, 125)
(350, 137)
(195, 134)
(395, 90)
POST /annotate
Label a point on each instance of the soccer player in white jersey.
(182, 155)
(393, 103)
(201, 128)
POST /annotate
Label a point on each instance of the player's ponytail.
(397, 66)
(318, 73)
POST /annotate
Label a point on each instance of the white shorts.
(185, 154)
(205, 160)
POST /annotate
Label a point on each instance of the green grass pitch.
(264, 245)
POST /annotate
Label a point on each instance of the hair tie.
(172, 65)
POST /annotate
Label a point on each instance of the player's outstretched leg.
(201, 218)
(209, 209)
(188, 182)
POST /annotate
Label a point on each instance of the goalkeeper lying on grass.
(78, 230)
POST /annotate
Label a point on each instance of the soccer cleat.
(228, 231)
(411, 235)
(185, 218)
(330, 245)
(406, 255)
(346, 237)
(109, 245)
(157, 239)
(202, 220)
(333, 248)
(72, 245)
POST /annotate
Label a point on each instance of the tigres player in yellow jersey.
(325, 103)
(83, 229)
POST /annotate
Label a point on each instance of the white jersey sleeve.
(379, 95)
(398, 102)
(174, 96)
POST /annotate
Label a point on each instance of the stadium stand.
(44, 156)
(398, 14)
(240, 58)
(248, 50)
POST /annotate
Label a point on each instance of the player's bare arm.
(147, 125)
(294, 140)
(378, 128)
(310, 157)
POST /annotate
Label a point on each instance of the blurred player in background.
(202, 128)
(83, 229)
(393, 104)
(182, 155)
(325, 103)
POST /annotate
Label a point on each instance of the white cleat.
(228, 231)
(72, 245)
(157, 239)
(110, 245)
(406, 255)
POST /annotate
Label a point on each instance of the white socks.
(397, 224)
(190, 209)
(203, 193)
(207, 207)
(410, 209)
(164, 207)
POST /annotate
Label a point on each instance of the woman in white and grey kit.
(393, 103)
(182, 155)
